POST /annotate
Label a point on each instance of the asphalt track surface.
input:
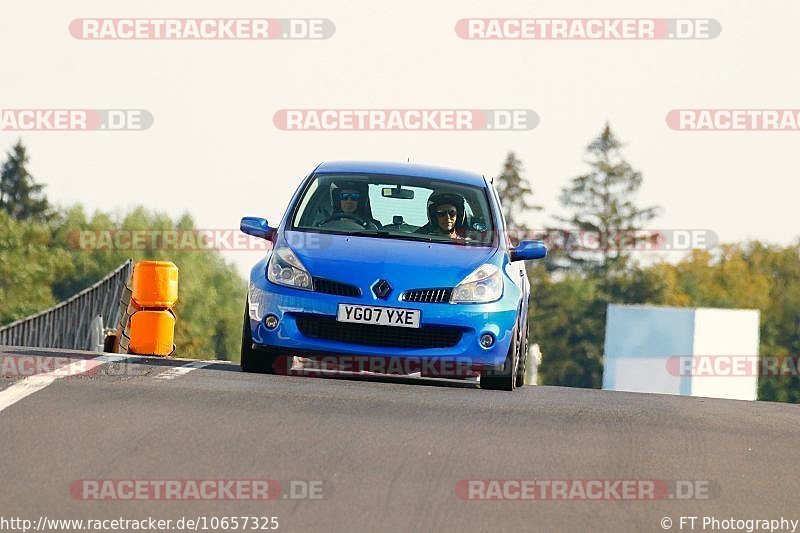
(390, 452)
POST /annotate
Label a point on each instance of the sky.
(214, 151)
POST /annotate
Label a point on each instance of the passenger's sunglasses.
(355, 196)
(449, 212)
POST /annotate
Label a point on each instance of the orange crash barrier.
(147, 321)
(152, 333)
(155, 284)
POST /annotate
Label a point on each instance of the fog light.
(271, 321)
(487, 340)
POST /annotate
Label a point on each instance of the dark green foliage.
(601, 202)
(514, 192)
(20, 196)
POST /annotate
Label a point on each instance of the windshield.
(398, 207)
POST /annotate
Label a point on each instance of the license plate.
(380, 316)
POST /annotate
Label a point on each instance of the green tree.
(566, 318)
(514, 192)
(780, 317)
(601, 203)
(751, 275)
(20, 195)
(29, 266)
(567, 315)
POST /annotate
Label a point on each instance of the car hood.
(405, 264)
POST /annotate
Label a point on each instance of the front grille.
(336, 288)
(371, 335)
(428, 296)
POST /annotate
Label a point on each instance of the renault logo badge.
(382, 289)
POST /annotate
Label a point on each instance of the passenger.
(446, 216)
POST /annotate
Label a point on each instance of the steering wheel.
(357, 219)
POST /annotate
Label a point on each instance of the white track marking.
(179, 371)
(31, 384)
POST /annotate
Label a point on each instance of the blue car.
(399, 262)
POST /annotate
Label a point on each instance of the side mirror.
(257, 227)
(528, 251)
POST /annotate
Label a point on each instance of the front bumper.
(473, 320)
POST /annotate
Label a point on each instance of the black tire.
(506, 378)
(523, 357)
(257, 361)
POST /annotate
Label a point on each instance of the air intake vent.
(334, 287)
(428, 296)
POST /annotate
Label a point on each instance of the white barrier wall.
(647, 349)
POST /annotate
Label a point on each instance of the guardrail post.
(532, 368)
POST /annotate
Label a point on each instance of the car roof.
(403, 169)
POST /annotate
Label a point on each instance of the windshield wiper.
(419, 237)
(405, 237)
(387, 234)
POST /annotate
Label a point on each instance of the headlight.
(484, 285)
(285, 268)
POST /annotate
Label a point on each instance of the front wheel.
(506, 378)
(251, 360)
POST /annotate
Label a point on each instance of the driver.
(349, 199)
(351, 202)
(445, 216)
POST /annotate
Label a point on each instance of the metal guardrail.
(72, 323)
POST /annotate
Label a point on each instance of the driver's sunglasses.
(355, 196)
(449, 212)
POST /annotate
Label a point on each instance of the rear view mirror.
(257, 227)
(397, 192)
